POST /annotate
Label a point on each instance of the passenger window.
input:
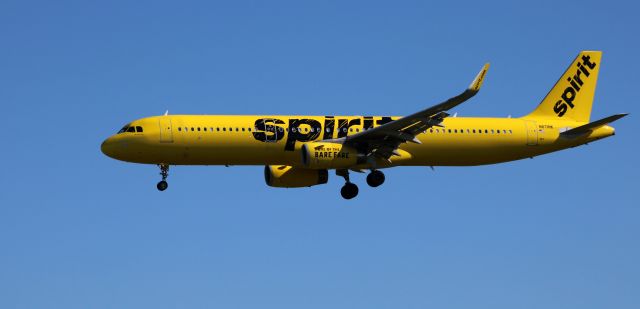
(224, 129)
(250, 129)
(205, 129)
(486, 131)
(179, 128)
(449, 130)
(510, 132)
(236, 129)
(498, 131)
(474, 130)
(192, 129)
(217, 129)
(242, 129)
(198, 128)
(491, 131)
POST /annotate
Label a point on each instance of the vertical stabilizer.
(571, 97)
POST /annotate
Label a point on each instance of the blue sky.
(80, 230)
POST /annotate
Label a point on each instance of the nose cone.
(108, 148)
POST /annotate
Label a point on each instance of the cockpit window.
(124, 129)
(139, 129)
(131, 129)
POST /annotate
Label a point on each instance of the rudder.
(572, 96)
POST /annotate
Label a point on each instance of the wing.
(383, 141)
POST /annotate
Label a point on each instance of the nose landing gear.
(164, 172)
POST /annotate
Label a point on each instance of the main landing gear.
(375, 178)
(350, 190)
(164, 172)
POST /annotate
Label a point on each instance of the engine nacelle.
(329, 155)
(283, 176)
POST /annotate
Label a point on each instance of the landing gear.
(162, 185)
(375, 178)
(349, 190)
(164, 172)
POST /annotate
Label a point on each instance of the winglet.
(477, 82)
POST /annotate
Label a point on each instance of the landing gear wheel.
(162, 185)
(375, 178)
(349, 191)
(164, 172)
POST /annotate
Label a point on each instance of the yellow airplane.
(298, 151)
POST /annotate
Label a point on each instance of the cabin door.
(166, 133)
(272, 131)
(532, 132)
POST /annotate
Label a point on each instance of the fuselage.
(277, 140)
(299, 151)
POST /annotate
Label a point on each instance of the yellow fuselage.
(277, 140)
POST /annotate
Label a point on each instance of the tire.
(349, 191)
(375, 178)
(162, 185)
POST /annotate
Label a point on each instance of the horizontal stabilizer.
(591, 126)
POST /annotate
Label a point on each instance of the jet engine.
(283, 176)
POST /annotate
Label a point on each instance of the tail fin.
(572, 96)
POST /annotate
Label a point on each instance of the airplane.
(299, 151)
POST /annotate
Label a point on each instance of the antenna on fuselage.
(166, 113)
